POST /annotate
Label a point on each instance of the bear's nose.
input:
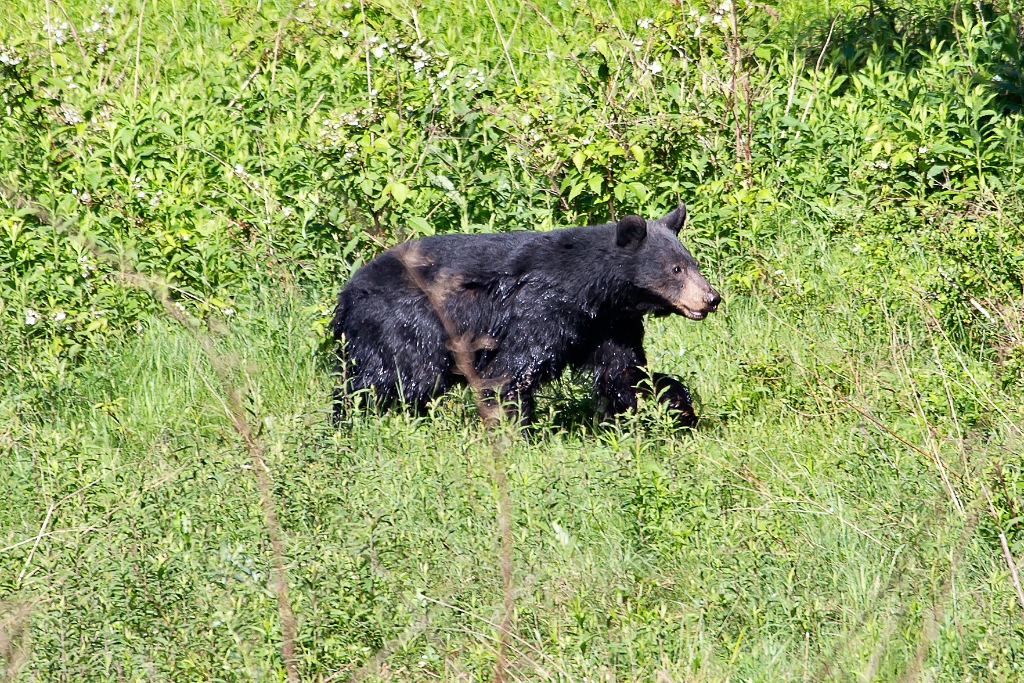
(713, 302)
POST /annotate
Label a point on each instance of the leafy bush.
(292, 145)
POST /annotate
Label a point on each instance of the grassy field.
(186, 185)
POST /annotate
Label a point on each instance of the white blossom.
(70, 115)
(57, 32)
(31, 317)
(9, 56)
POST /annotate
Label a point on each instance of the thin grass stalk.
(1007, 555)
(14, 629)
(366, 50)
(924, 427)
(504, 43)
(463, 347)
(236, 413)
(817, 69)
(255, 447)
(74, 32)
(138, 48)
(735, 75)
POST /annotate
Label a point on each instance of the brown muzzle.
(697, 299)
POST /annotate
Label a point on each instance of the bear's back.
(483, 256)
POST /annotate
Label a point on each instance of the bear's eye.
(677, 270)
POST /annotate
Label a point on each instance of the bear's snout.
(713, 301)
(697, 299)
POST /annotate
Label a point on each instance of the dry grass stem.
(464, 347)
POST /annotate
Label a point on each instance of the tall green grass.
(789, 538)
(839, 514)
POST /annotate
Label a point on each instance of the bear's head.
(662, 269)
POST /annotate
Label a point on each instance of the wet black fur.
(545, 301)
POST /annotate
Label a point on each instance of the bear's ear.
(675, 220)
(630, 232)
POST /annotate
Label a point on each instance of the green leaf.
(640, 190)
(578, 158)
(793, 123)
(443, 183)
(400, 191)
(420, 226)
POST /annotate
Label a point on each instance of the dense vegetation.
(186, 184)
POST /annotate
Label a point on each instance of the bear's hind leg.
(515, 401)
(519, 405)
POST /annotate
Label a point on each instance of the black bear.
(537, 302)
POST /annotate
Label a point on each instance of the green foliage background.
(853, 180)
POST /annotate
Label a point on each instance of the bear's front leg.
(617, 375)
(617, 392)
(675, 396)
(620, 374)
